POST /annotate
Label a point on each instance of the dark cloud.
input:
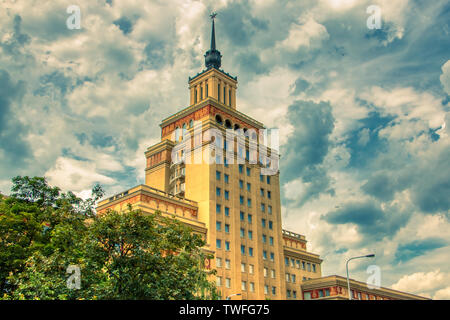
(431, 190)
(18, 39)
(124, 24)
(306, 148)
(408, 251)
(158, 54)
(251, 63)
(15, 150)
(371, 220)
(381, 186)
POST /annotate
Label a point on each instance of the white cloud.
(75, 175)
(445, 77)
(422, 281)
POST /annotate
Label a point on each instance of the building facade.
(231, 201)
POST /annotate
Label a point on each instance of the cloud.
(445, 77)
(307, 146)
(371, 219)
(422, 282)
(417, 248)
(75, 175)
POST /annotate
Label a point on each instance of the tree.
(126, 255)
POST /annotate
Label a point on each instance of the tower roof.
(213, 58)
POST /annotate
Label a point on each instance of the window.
(218, 244)
(219, 262)
(218, 91)
(219, 281)
(286, 262)
(248, 172)
(261, 178)
(251, 268)
(298, 264)
(270, 225)
(266, 271)
(218, 208)
(225, 162)
(217, 175)
(307, 295)
(269, 209)
(264, 254)
(228, 282)
(244, 285)
(218, 226)
(327, 292)
(247, 154)
(294, 294)
(266, 289)
(249, 203)
(201, 93)
(288, 293)
(242, 267)
(226, 177)
(227, 264)
(249, 187)
(227, 195)
(269, 194)
(321, 295)
(227, 211)
(272, 273)
(227, 245)
(293, 278)
(252, 287)
(292, 263)
(218, 192)
(242, 249)
(242, 232)
(241, 184)
(261, 192)
(314, 267)
(249, 217)
(303, 265)
(207, 90)
(250, 251)
(195, 95)
(227, 228)
(263, 207)
(241, 199)
(241, 168)
(308, 265)
(191, 123)
(263, 223)
(288, 277)
(274, 290)
(268, 179)
(224, 94)
(250, 234)
(264, 238)
(242, 216)
(272, 257)
(271, 241)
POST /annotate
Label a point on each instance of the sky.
(363, 113)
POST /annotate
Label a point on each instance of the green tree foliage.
(125, 255)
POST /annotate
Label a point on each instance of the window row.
(300, 264)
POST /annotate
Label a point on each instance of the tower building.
(230, 201)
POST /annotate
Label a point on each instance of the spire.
(213, 33)
(213, 56)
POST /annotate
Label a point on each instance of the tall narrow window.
(224, 94)
(195, 95)
(207, 91)
(218, 92)
(201, 93)
(229, 97)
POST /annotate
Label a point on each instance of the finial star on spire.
(213, 15)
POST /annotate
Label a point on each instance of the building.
(335, 288)
(234, 205)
